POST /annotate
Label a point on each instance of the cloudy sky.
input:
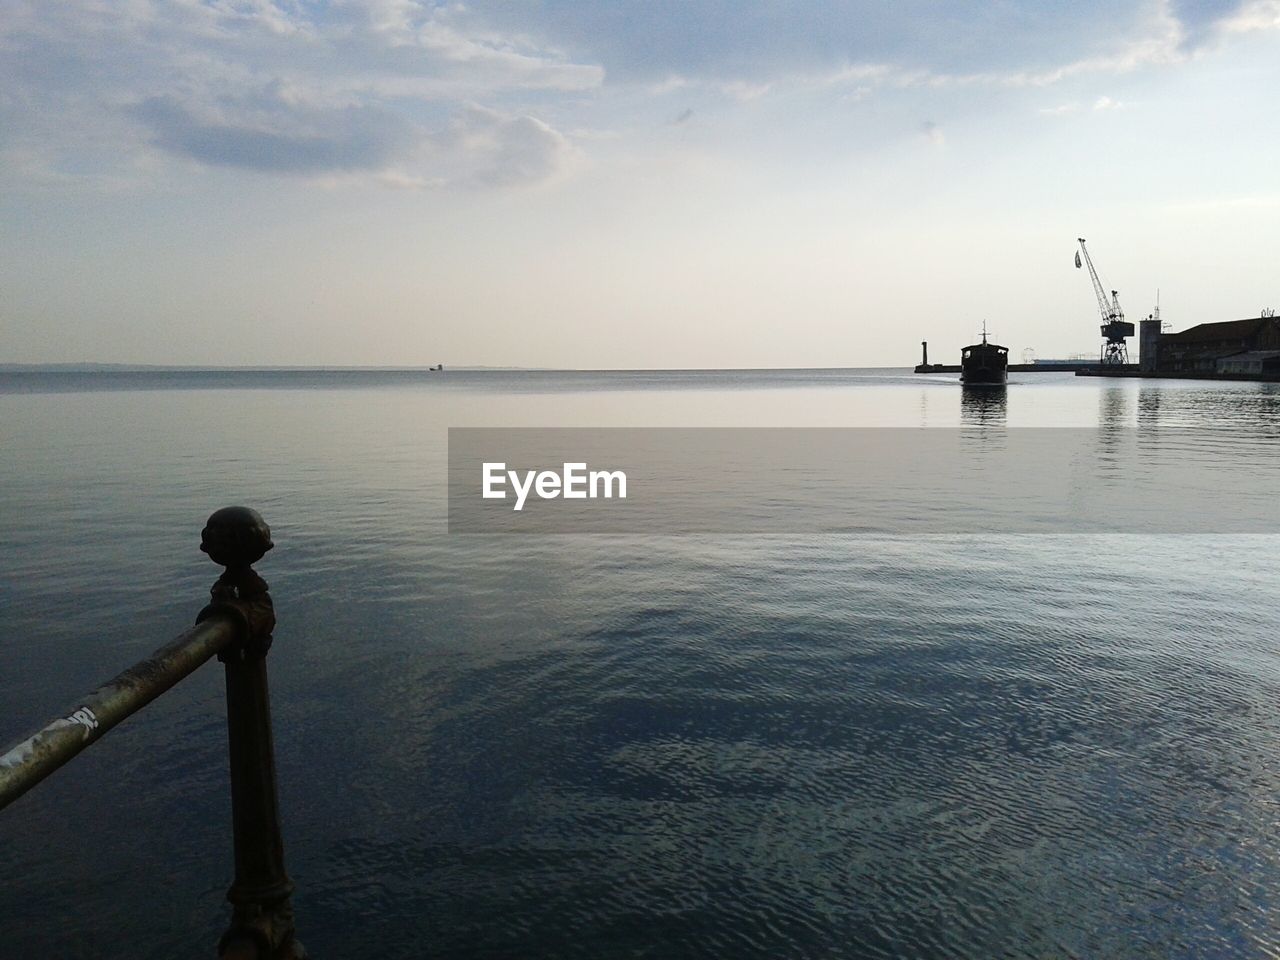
(657, 183)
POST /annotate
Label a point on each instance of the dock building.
(1250, 346)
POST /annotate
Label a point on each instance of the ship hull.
(984, 377)
(985, 364)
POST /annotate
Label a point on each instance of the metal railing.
(236, 627)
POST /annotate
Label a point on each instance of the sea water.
(630, 745)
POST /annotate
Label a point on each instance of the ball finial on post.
(236, 537)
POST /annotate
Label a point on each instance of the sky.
(647, 184)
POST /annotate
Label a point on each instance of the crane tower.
(1114, 327)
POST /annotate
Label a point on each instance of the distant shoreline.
(203, 368)
(180, 368)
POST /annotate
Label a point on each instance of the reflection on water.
(1149, 400)
(1226, 406)
(594, 747)
(1114, 437)
(1115, 404)
(984, 405)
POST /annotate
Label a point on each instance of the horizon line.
(123, 367)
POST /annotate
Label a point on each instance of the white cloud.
(1164, 36)
(355, 88)
(1161, 48)
(503, 62)
(393, 18)
(743, 91)
(485, 148)
(668, 85)
(276, 134)
(1162, 44)
(1252, 16)
(859, 73)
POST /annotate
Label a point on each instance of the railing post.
(262, 916)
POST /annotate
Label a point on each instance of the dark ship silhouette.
(984, 363)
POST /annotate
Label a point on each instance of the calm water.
(603, 746)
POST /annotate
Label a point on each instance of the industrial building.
(1250, 346)
(1246, 349)
(1229, 349)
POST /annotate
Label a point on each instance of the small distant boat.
(984, 363)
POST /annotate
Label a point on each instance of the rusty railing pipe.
(236, 627)
(30, 761)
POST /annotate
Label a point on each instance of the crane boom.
(1110, 309)
(1114, 327)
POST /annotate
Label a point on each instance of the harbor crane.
(1114, 327)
